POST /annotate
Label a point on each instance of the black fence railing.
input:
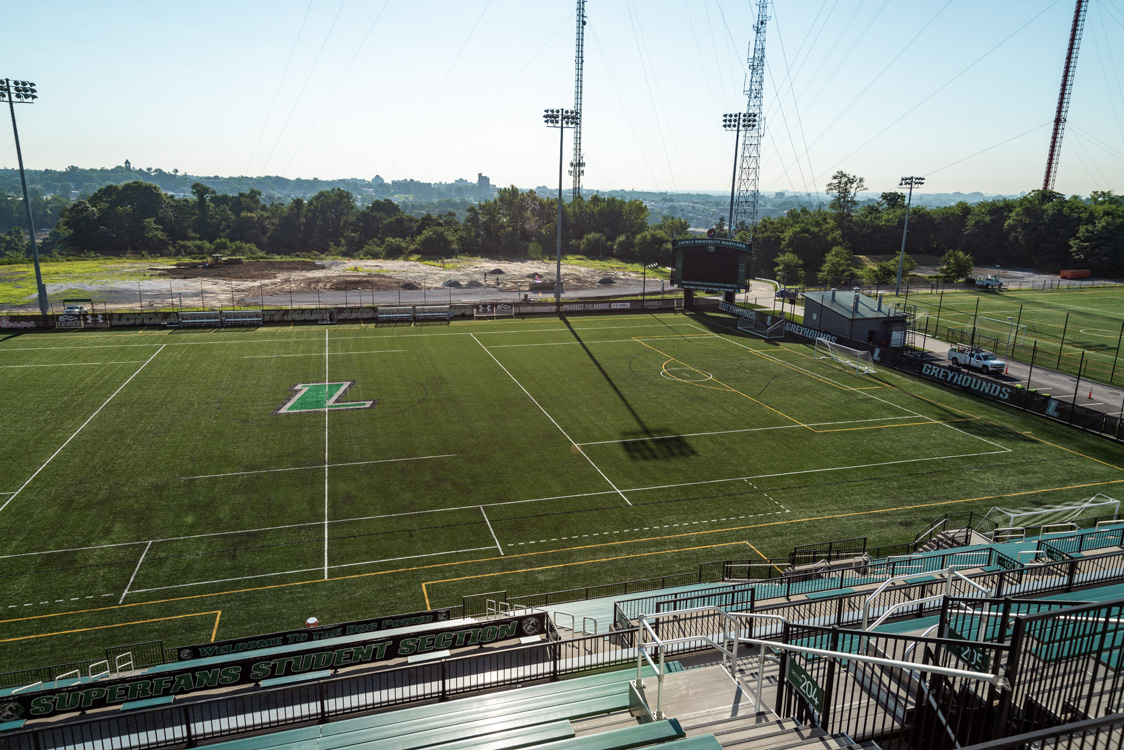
(1040, 666)
(836, 549)
(191, 723)
(872, 701)
(133, 656)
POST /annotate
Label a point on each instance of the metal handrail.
(949, 573)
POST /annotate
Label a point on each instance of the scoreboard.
(722, 265)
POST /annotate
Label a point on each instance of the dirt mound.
(453, 283)
(606, 280)
(254, 269)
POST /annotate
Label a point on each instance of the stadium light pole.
(561, 119)
(910, 182)
(736, 121)
(23, 92)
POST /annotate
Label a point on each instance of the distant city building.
(376, 180)
(779, 195)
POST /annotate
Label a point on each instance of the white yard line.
(872, 396)
(317, 354)
(747, 429)
(80, 364)
(579, 343)
(318, 466)
(52, 458)
(306, 570)
(817, 471)
(225, 580)
(134, 575)
(552, 420)
(494, 537)
(369, 337)
(553, 498)
(412, 557)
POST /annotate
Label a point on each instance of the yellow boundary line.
(217, 613)
(425, 592)
(566, 549)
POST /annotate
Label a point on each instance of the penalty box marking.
(881, 400)
(546, 552)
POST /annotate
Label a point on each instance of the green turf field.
(187, 485)
(1091, 322)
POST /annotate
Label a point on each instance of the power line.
(339, 80)
(437, 89)
(303, 86)
(280, 84)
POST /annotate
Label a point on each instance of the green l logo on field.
(321, 397)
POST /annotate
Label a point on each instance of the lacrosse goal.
(853, 359)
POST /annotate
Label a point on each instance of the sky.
(961, 92)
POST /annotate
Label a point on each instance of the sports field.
(1018, 324)
(189, 485)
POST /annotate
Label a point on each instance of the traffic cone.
(1090, 394)
(1007, 370)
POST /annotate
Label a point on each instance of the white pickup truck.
(977, 358)
(990, 283)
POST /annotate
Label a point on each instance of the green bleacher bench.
(148, 703)
(515, 738)
(535, 697)
(303, 677)
(8, 726)
(622, 739)
(702, 742)
(828, 594)
(406, 735)
(428, 657)
(302, 737)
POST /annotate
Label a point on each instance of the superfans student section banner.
(302, 635)
(250, 667)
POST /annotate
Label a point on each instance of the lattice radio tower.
(745, 203)
(1063, 97)
(577, 166)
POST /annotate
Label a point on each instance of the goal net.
(853, 359)
(1005, 331)
(1100, 507)
(762, 324)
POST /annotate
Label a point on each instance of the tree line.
(1042, 229)
(138, 218)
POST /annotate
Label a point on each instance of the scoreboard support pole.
(729, 297)
(689, 299)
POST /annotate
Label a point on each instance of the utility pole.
(1063, 97)
(577, 166)
(23, 92)
(909, 182)
(745, 205)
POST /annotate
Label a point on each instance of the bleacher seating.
(394, 314)
(241, 317)
(433, 314)
(201, 319)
